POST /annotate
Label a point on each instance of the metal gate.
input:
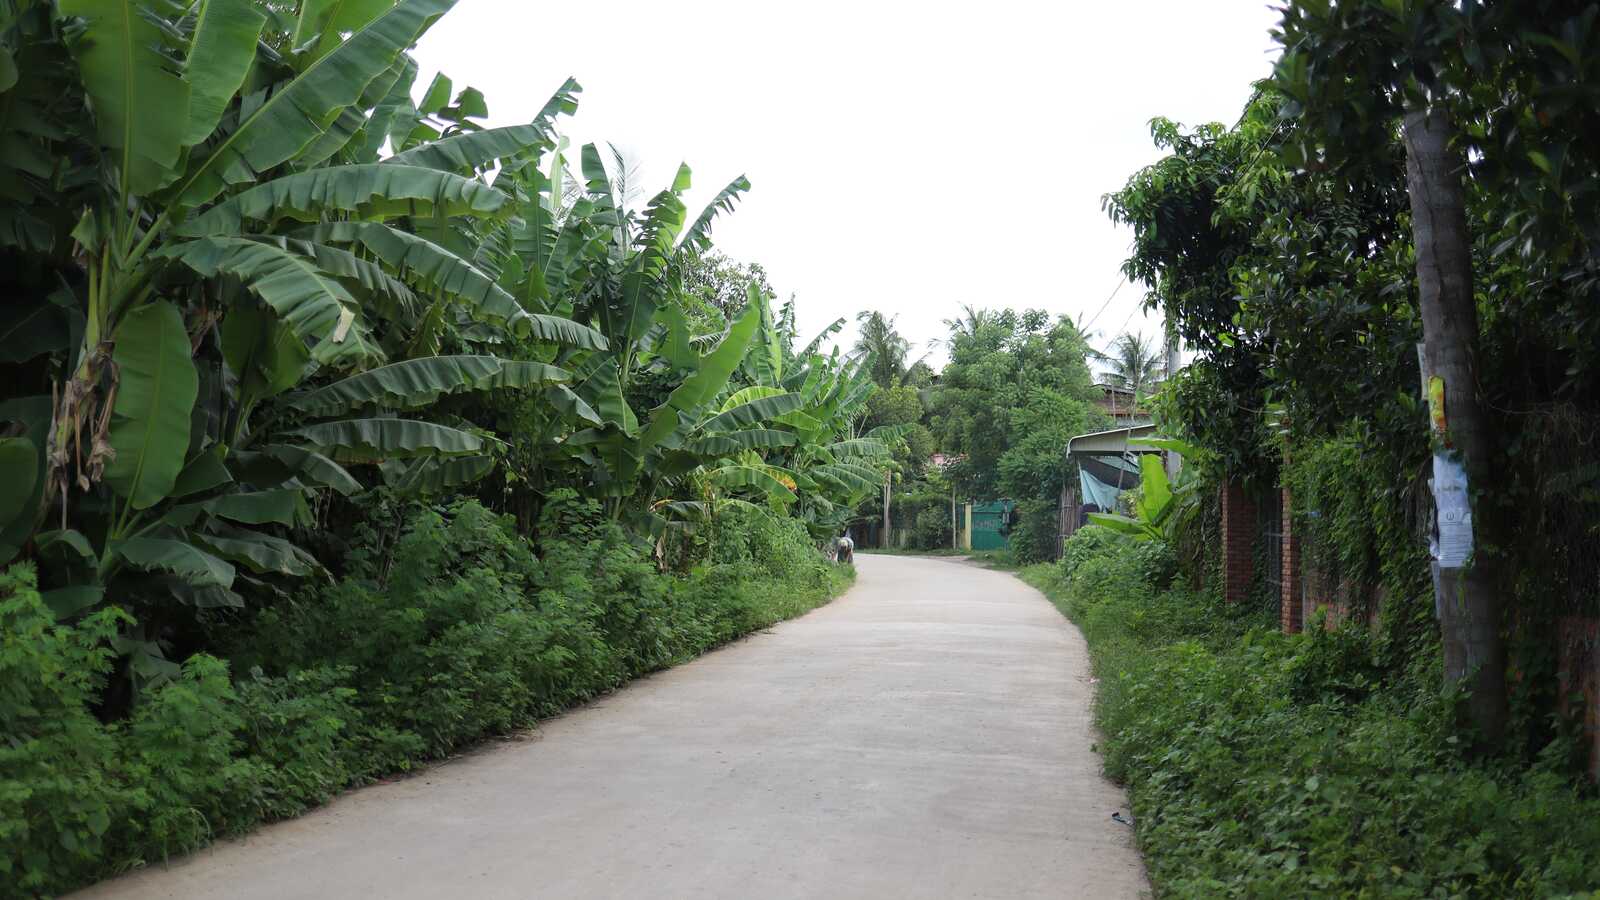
(1271, 516)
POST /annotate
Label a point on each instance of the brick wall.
(1239, 531)
(1292, 610)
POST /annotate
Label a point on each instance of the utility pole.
(1465, 597)
(1172, 460)
(954, 528)
(887, 537)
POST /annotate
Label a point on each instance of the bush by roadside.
(462, 632)
(1265, 765)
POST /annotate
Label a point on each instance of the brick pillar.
(1239, 528)
(1293, 613)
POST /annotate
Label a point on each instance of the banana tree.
(238, 246)
(1161, 504)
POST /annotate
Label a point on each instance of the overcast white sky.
(907, 157)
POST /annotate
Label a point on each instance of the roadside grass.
(469, 634)
(1267, 765)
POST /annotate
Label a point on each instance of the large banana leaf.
(1134, 528)
(324, 21)
(368, 191)
(752, 439)
(373, 440)
(411, 384)
(375, 130)
(203, 473)
(569, 404)
(600, 384)
(859, 448)
(260, 553)
(762, 409)
(297, 114)
(521, 374)
(316, 306)
(457, 278)
(697, 238)
(220, 54)
(265, 355)
(755, 478)
(352, 119)
(855, 479)
(156, 389)
(177, 557)
(34, 415)
(141, 106)
(433, 474)
(767, 360)
(816, 342)
(28, 329)
(18, 475)
(708, 379)
(282, 506)
(644, 282)
(473, 150)
(276, 463)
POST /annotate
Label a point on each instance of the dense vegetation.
(1016, 388)
(1261, 764)
(338, 429)
(1419, 739)
(1284, 251)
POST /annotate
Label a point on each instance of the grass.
(1260, 764)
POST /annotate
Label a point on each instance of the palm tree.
(885, 347)
(1135, 363)
(965, 325)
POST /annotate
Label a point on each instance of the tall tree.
(886, 349)
(1134, 363)
(1354, 70)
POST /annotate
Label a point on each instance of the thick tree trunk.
(1466, 598)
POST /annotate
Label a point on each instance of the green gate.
(989, 524)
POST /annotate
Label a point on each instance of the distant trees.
(1134, 363)
(1016, 389)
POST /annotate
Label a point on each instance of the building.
(1121, 404)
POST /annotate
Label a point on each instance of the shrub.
(56, 797)
(1260, 764)
(459, 631)
(1034, 531)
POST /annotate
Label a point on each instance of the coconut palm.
(1134, 363)
(885, 348)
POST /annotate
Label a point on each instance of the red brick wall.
(1292, 612)
(1239, 530)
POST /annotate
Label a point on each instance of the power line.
(1085, 328)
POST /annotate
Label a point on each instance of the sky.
(904, 157)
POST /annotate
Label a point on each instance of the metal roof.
(1114, 442)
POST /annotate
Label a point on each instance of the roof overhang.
(1116, 442)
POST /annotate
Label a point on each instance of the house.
(1121, 404)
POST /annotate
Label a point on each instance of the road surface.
(926, 735)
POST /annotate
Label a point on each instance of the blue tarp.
(1098, 492)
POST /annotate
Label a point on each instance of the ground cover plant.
(1263, 764)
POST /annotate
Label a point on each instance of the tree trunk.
(1465, 598)
(887, 543)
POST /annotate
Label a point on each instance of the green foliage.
(1037, 528)
(1015, 391)
(444, 632)
(1261, 764)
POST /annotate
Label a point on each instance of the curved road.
(926, 735)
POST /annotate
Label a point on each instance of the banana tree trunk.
(1465, 594)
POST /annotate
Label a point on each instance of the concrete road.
(926, 735)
